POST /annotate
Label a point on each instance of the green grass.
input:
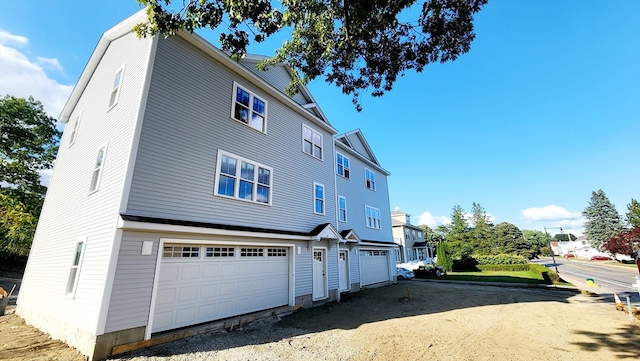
(496, 276)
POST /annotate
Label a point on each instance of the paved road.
(608, 277)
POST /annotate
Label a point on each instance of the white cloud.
(16, 40)
(22, 77)
(433, 221)
(549, 213)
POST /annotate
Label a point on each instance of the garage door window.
(276, 252)
(220, 252)
(251, 252)
(181, 252)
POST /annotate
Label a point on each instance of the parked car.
(599, 257)
(404, 274)
(624, 258)
(569, 255)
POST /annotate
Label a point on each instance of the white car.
(624, 258)
(404, 274)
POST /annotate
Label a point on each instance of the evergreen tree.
(444, 257)
(481, 234)
(633, 213)
(457, 238)
(603, 220)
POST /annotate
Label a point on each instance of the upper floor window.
(342, 209)
(311, 142)
(370, 179)
(243, 179)
(249, 109)
(115, 90)
(74, 271)
(97, 169)
(74, 131)
(373, 217)
(318, 198)
(343, 165)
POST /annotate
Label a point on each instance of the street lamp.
(549, 241)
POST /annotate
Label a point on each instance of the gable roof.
(355, 142)
(126, 27)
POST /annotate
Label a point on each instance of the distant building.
(412, 245)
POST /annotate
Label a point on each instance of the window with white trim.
(74, 271)
(249, 109)
(276, 252)
(251, 252)
(181, 252)
(220, 252)
(373, 217)
(74, 131)
(342, 165)
(311, 142)
(242, 179)
(96, 175)
(115, 91)
(318, 198)
(342, 209)
(370, 179)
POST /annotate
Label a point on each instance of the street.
(608, 277)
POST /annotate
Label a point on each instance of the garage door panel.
(193, 290)
(374, 266)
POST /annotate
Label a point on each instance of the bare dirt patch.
(413, 320)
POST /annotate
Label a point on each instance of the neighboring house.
(189, 188)
(410, 239)
(580, 248)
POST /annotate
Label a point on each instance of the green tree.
(565, 237)
(431, 235)
(603, 220)
(356, 45)
(509, 240)
(633, 213)
(457, 238)
(29, 145)
(443, 255)
(481, 234)
(538, 242)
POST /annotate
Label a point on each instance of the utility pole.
(549, 241)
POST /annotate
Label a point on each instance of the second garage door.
(201, 283)
(374, 266)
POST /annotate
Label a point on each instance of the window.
(74, 131)
(242, 179)
(343, 165)
(115, 91)
(373, 217)
(251, 252)
(311, 142)
(220, 252)
(181, 252)
(249, 109)
(97, 170)
(318, 198)
(276, 252)
(370, 179)
(342, 209)
(74, 272)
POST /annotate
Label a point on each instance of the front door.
(343, 268)
(319, 274)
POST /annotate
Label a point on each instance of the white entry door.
(319, 274)
(343, 268)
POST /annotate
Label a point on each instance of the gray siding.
(358, 146)
(277, 76)
(358, 195)
(69, 210)
(188, 118)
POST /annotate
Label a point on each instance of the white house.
(412, 245)
(189, 188)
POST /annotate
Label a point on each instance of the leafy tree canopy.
(624, 243)
(356, 45)
(565, 237)
(603, 220)
(633, 213)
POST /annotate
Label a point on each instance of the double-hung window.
(342, 165)
(342, 209)
(74, 271)
(373, 217)
(115, 90)
(370, 179)
(74, 131)
(240, 178)
(318, 198)
(249, 108)
(311, 142)
(97, 169)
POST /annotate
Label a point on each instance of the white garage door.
(201, 283)
(374, 266)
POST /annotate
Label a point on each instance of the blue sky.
(542, 111)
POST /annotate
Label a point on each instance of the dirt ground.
(412, 320)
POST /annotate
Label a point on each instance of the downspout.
(336, 211)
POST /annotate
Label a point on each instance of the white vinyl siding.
(342, 209)
(96, 175)
(74, 271)
(373, 217)
(311, 142)
(115, 90)
(242, 179)
(342, 165)
(74, 131)
(249, 109)
(318, 198)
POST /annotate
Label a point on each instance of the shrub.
(504, 267)
(500, 259)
